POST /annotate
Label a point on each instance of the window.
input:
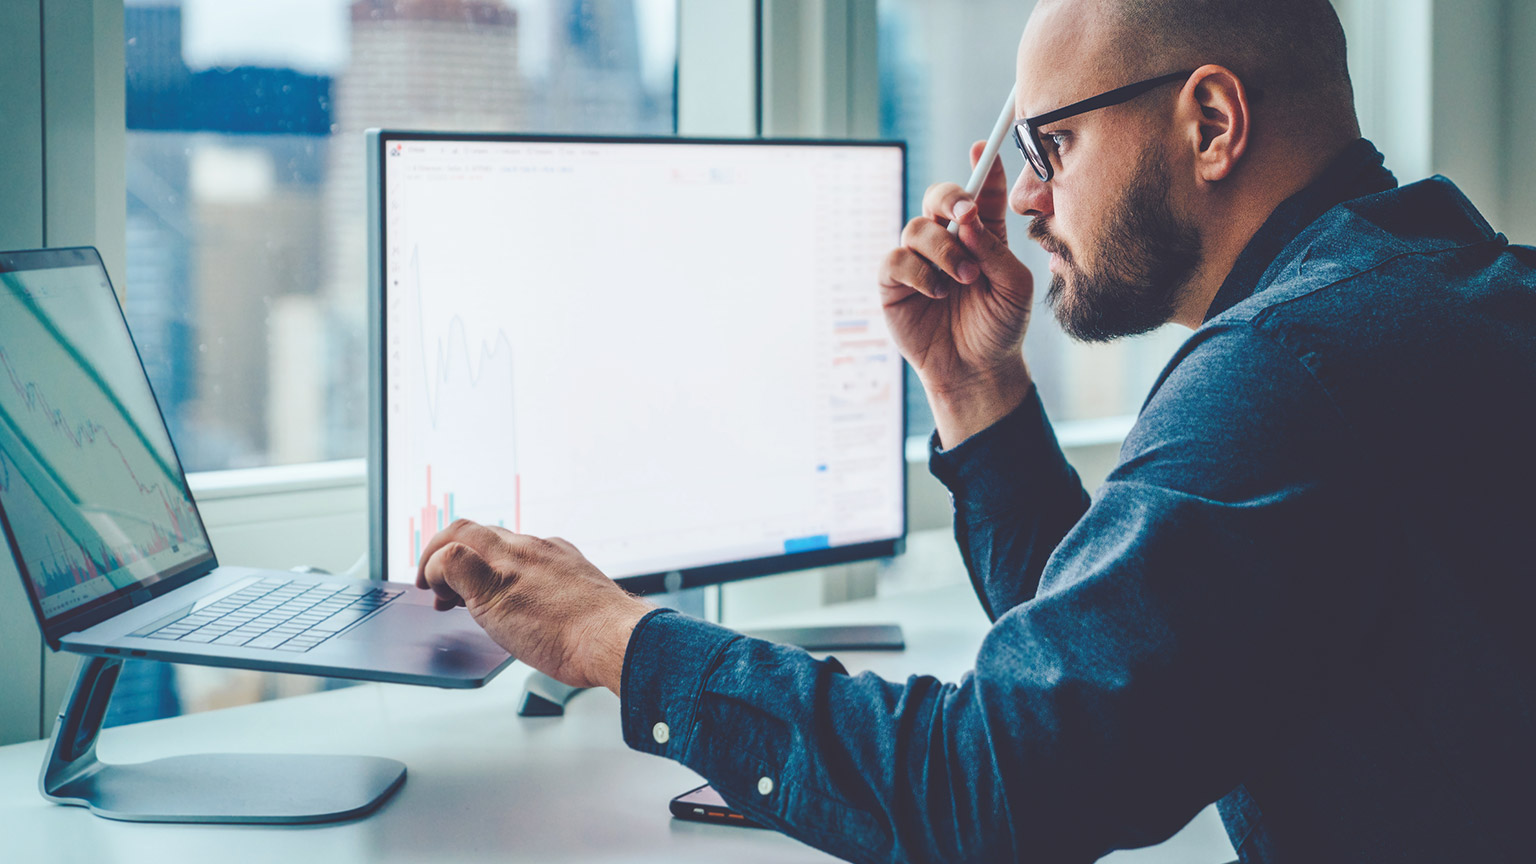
(247, 258)
(247, 255)
(944, 71)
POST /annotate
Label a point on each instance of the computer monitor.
(667, 351)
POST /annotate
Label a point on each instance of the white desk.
(484, 784)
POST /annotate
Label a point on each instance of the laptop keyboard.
(278, 614)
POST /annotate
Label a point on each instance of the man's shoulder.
(1384, 300)
(1372, 256)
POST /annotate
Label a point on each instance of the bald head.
(1292, 52)
(1151, 200)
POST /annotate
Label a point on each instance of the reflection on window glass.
(246, 274)
(945, 69)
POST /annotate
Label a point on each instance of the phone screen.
(704, 804)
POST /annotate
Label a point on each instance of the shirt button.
(661, 733)
(764, 785)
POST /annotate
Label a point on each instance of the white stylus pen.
(984, 164)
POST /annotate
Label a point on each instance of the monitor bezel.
(376, 140)
(106, 606)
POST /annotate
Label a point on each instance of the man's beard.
(1147, 254)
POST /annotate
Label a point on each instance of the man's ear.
(1217, 110)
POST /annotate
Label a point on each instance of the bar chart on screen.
(466, 387)
(436, 515)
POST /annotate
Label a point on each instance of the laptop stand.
(543, 696)
(208, 788)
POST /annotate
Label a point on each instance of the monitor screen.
(93, 496)
(669, 352)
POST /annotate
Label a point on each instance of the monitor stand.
(543, 696)
(208, 788)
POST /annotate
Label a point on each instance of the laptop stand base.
(209, 788)
(543, 696)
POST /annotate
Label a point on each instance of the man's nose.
(1030, 196)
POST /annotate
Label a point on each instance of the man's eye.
(1058, 141)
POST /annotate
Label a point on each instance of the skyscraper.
(223, 200)
(596, 72)
(416, 64)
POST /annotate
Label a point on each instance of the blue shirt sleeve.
(1015, 498)
(1197, 606)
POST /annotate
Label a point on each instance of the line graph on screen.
(467, 384)
(74, 470)
(494, 355)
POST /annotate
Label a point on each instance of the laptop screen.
(93, 497)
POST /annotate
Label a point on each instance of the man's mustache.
(1040, 232)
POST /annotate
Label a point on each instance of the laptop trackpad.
(413, 636)
(409, 624)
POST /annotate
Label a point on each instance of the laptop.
(114, 555)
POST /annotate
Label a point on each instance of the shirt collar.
(1356, 172)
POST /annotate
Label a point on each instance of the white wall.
(1445, 87)
(21, 227)
(1518, 112)
(1467, 102)
(61, 181)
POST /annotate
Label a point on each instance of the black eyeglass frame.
(1026, 132)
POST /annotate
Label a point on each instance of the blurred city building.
(247, 259)
(415, 64)
(224, 171)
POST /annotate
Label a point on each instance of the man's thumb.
(466, 572)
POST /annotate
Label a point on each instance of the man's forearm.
(607, 641)
(963, 410)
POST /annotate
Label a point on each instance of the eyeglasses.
(1026, 133)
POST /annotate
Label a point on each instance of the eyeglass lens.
(1024, 137)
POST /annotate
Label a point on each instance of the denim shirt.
(1304, 591)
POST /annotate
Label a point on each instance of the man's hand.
(958, 306)
(540, 599)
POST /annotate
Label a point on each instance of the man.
(1303, 590)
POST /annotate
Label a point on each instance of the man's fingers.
(456, 572)
(996, 179)
(467, 532)
(433, 576)
(437, 541)
(459, 531)
(940, 248)
(992, 197)
(892, 289)
(906, 272)
(1002, 268)
(939, 200)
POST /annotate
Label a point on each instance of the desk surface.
(484, 784)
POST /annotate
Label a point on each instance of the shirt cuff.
(669, 658)
(983, 473)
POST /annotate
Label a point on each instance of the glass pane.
(945, 69)
(246, 277)
(246, 274)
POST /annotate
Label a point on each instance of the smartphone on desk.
(704, 804)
